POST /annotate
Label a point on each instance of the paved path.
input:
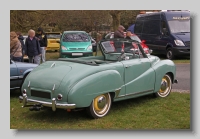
(183, 76)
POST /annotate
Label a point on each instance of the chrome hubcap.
(164, 85)
(101, 102)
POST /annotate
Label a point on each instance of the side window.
(151, 27)
(138, 26)
(164, 28)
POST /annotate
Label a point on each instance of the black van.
(165, 32)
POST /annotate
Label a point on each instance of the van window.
(138, 26)
(164, 27)
(178, 26)
(151, 27)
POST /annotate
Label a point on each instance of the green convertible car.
(120, 71)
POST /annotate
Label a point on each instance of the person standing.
(42, 38)
(15, 47)
(119, 33)
(21, 39)
(32, 48)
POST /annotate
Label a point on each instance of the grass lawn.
(172, 112)
(55, 55)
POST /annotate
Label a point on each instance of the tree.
(116, 18)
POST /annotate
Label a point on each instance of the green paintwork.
(75, 47)
(80, 83)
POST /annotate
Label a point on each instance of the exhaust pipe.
(36, 107)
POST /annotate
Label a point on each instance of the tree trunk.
(116, 19)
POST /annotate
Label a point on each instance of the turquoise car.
(93, 83)
(75, 44)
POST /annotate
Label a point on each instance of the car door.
(139, 76)
(14, 83)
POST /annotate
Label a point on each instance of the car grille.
(40, 94)
(187, 43)
(77, 49)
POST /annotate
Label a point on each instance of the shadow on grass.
(77, 117)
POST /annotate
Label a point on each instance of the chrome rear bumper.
(53, 104)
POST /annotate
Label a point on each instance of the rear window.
(75, 37)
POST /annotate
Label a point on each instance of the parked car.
(165, 33)
(52, 38)
(134, 37)
(18, 72)
(94, 82)
(75, 44)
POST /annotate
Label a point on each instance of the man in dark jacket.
(119, 33)
(32, 48)
(21, 39)
(42, 38)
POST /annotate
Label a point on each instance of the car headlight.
(64, 48)
(179, 43)
(89, 47)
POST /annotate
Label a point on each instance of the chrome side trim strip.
(142, 92)
(14, 77)
(139, 92)
(21, 77)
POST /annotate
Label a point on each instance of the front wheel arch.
(23, 80)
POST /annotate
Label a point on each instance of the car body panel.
(80, 80)
(52, 38)
(18, 70)
(75, 48)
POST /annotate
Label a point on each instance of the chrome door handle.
(127, 66)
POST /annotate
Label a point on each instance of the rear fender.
(161, 68)
(94, 85)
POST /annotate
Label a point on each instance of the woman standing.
(21, 39)
(32, 48)
(15, 47)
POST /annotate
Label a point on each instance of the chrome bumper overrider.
(53, 104)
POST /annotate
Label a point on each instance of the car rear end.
(52, 41)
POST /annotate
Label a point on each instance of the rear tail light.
(59, 97)
(24, 91)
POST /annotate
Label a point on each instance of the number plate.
(77, 54)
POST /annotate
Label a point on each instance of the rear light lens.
(24, 91)
(59, 97)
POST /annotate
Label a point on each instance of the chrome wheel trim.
(101, 105)
(166, 85)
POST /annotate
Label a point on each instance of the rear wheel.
(165, 88)
(100, 106)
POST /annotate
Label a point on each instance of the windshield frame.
(141, 50)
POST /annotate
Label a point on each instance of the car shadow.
(77, 117)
